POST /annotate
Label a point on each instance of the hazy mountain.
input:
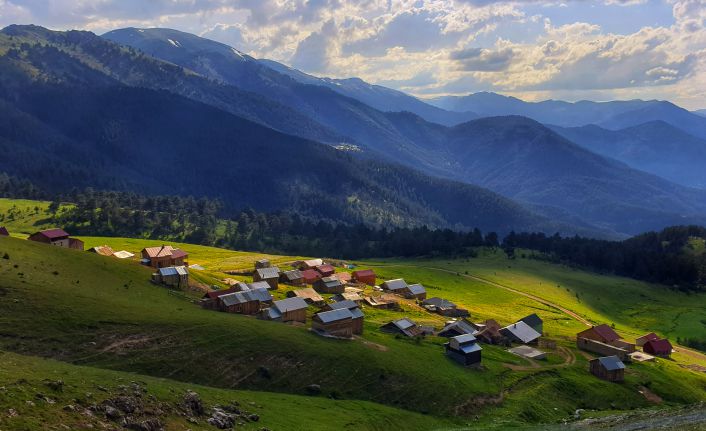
(655, 147)
(612, 115)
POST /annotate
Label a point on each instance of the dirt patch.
(694, 367)
(372, 345)
(475, 404)
(650, 396)
(122, 346)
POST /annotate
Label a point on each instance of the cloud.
(483, 60)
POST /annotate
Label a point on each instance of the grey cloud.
(483, 60)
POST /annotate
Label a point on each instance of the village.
(334, 297)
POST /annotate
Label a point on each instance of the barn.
(645, 338)
(520, 332)
(609, 368)
(403, 326)
(397, 286)
(535, 322)
(245, 302)
(415, 291)
(660, 347)
(309, 276)
(165, 255)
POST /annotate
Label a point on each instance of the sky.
(532, 49)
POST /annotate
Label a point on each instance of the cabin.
(343, 277)
(286, 310)
(660, 347)
(335, 323)
(325, 270)
(210, 299)
(269, 275)
(489, 332)
(397, 286)
(464, 349)
(458, 327)
(535, 322)
(403, 326)
(172, 276)
(57, 237)
(415, 291)
(520, 332)
(645, 338)
(609, 368)
(309, 295)
(102, 250)
(262, 263)
(365, 276)
(385, 302)
(309, 276)
(597, 347)
(163, 256)
(444, 307)
(248, 302)
(348, 296)
(329, 285)
(292, 278)
(4, 231)
(528, 352)
(311, 264)
(606, 335)
(356, 313)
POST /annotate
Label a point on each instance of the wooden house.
(102, 250)
(415, 291)
(606, 335)
(458, 327)
(292, 278)
(4, 231)
(329, 285)
(172, 276)
(444, 307)
(163, 256)
(489, 332)
(365, 276)
(248, 302)
(403, 326)
(385, 301)
(535, 322)
(310, 264)
(348, 296)
(287, 310)
(309, 276)
(334, 323)
(660, 347)
(210, 299)
(57, 237)
(645, 338)
(268, 275)
(609, 368)
(520, 332)
(309, 295)
(262, 263)
(356, 313)
(343, 277)
(600, 348)
(325, 270)
(397, 286)
(464, 349)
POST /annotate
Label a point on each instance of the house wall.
(612, 376)
(369, 280)
(343, 328)
(464, 359)
(594, 346)
(358, 326)
(249, 308)
(295, 316)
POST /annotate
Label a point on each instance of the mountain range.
(143, 103)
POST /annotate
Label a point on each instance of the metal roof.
(294, 274)
(605, 332)
(53, 233)
(308, 293)
(313, 262)
(261, 295)
(364, 273)
(290, 304)
(461, 326)
(173, 270)
(258, 285)
(522, 332)
(266, 273)
(330, 281)
(416, 289)
(465, 338)
(611, 363)
(471, 347)
(122, 254)
(160, 251)
(334, 315)
(439, 302)
(395, 284)
(346, 303)
(532, 320)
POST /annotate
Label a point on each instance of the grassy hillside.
(101, 312)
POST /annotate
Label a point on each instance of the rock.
(254, 418)
(112, 413)
(313, 389)
(221, 419)
(125, 404)
(57, 385)
(69, 408)
(193, 404)
(146, 425)
(102, 388)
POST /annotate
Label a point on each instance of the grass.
(23, 217)
(101, 312)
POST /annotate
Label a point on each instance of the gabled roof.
(53, 233)
(404, 323)
(310, 275)
(649, 337)
(160, 251)
(522, 332)
(611, 363)
(347, 305)
(261, 295)
(216, 293)
(268, 273)
(330, 281)
(439, 302)
(290, 304)
(102, 250)
(177, 253)
(343, 277)
(395, 284)
(532, 320)
(334, 315)
(416, 289)
(173, 270)
(347, 296)
(606, 332)
(313, 262)
(294, 274)
(307, 293)
(662, 345)
(460, 326)
(258, 285)
(465, 338)
(364, 273)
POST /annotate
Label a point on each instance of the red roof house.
(365, 276)
(309, 276)
(661, 348)
(602, 333)
(325, 270)
(645, 338)
(57, 237)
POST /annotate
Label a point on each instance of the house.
(172, 276)
(329, 285)
(287, 310)
(102, 250)
(309, 295)
(385, 301)
(335, 323)
(163, 256)
(403, 326)
(4, 231)
(348, 296)
(210, 299)
(535, 322)
(444, 307)
(325, 270)
(255, 285)
(57, 237)
(262, 263)
(606, 335)
(661, 348)
(309, 276)
(600, 348)
(415, 291)
(489, 332)
(311, 264)
(397, 286)
(528, 352)
(343, 277)
(364, 276)
(248, 302)
(609, 368)
(356, 313)
(458, 327)
(645, 338)
(292, 278)
(520, 332)
(464, 349)
(269, 275)
(123, 254)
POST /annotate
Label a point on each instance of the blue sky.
(533, 49)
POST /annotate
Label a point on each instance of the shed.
(416, 291)
(535, 322)
(309, 295)
(329, 285)
(660, 347)
(269, 275)
(397, 285)
(609, 368)
(210, 299)
(520, 332)
(173, 276)
(309, 276)
(293, 277)
(255, 285)
(287, 310)
(365, 276)
(334, 323)
(464, 349)
(444, 307)
(245, 302)
(403, 326)
(645, 338)
(356, 313)
(325, 270)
